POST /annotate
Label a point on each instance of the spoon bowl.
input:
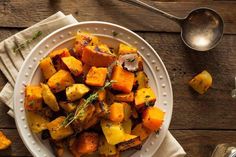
(202, 29)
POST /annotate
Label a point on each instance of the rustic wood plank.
(201, 143)
(24, 13)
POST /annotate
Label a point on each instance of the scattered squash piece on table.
(4, 141)
(98, 56)
(125, 97)
(86, 143)
(123, 80)
(82, 40)
(60, 80)
(76, 91)
(37, 122)
(49, 98)
(57, 130)
(96, 76)
(144, 96)
(33, 97)
(126, 49)
(68, 106)
(117, 112)
(153, 118)
(141, 131)
(201, 82)
(47, 67)
(73, 64)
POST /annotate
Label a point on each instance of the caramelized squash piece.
(117, 112)
(33, 98)
(141, 131)
(47, 67)
(126, 49)
(76, 91)
(105, 148)
(37, 122)
(125, 97)
(144, 96)
(123, 80)
(153, 118)
(68, 106)
(96, 76)
(142, 80)
(73, 64)
(57, 56)
(134, 142)
(4, 141)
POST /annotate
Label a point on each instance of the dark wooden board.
(25, 13)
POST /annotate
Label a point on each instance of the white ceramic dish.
(31, 74)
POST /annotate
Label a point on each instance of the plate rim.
(77, 24)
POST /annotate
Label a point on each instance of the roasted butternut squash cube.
(117, 112)
(37, 122)
(144, 96)
(123, 80)
(125, 97)
(99, 56)
(73, 64)
(61, 53)
(82, 40)
(141, 131)
(33, 98)
(153, 118)
(126, 49)
(60, 80)
(142, 80)
(76, 91)
(4, 141)
(96, 76)
(68, 106)
(47, 67)
(49, 98)
(201, 82)
(57, 130)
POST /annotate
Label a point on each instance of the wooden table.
(199, 122)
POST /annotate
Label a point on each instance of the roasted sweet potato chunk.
(73, 64)
(99, 56)
(33, 98)
(47, 67)
(96, 76)
(123, 80)
(59, 81)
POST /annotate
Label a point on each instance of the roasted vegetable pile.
(93, 100)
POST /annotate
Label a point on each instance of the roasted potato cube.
(68, 106)
(132, 143)
(49, 98)
(4, 141)
(117, 112)
(82, 40)
(123, 80)
(73, 64)
(141, 131)
(37, 122)
(105, 148)
(76, 91)
(201, 82)
(96, 76)
(86, 143)
(59, 81)
(153, 118)
(113, 132)
(126, 49)
(47, 67)
(125, 97)
(99, 56)
(57, 130)
(142, 80)
(144, 96)
(33, 98)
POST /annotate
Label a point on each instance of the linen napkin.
(10, 63)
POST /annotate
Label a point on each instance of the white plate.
(153, 66)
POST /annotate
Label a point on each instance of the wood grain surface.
(199, 122)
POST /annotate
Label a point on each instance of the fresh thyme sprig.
(27, 42)
(80, 110)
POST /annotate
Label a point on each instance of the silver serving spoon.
(201, 30)
(233, 93)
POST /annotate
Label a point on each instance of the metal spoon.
(233, 92)
(201, 30)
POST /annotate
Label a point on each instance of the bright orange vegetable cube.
(47, 67)
(144, 96)
(96, 76)
(125, 97)
(117, 112)
(73, 64)
(153, 118)
(59, 81)
(61, 52)
(33, 98)
(4, 141)
(126, 49)
(123, 80)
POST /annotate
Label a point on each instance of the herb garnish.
(131, 60)
(27, 42)
(80, 110)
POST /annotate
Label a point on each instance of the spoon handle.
(153, 9)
